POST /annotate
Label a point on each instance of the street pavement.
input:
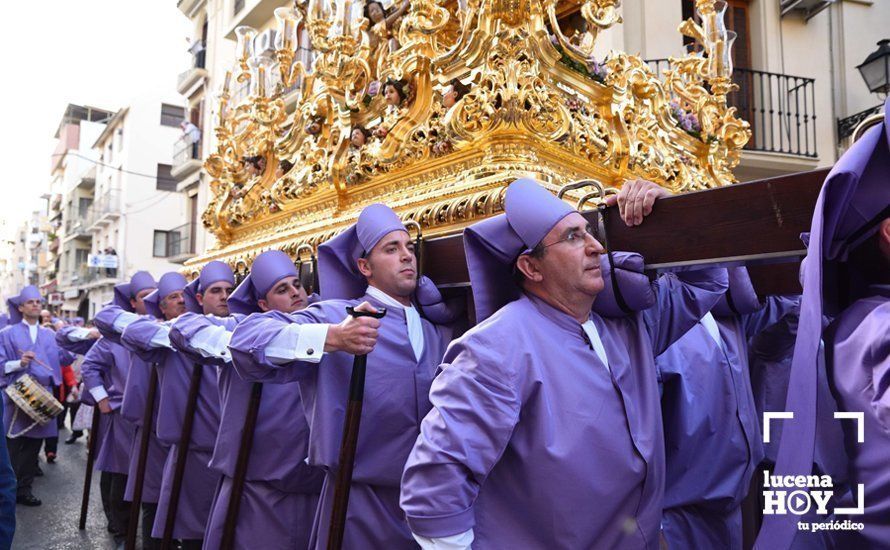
(53, 526)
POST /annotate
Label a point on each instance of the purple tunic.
(14, 340)
(770, 358)
(713, 443)
(106, 365)
(396, 399)
(858, 359)
(534, 443)
(133, 409)
(199, 482)
(278, 480)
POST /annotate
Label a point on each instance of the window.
(81, 256)
(166, 182)
(159, 248)
(172, 115)
(83, 206)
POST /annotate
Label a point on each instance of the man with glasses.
(546, 426)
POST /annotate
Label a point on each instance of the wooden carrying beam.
(757, 223)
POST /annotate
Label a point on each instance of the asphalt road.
(53, 526)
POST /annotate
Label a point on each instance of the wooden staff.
(250, 419)
(350, 440)
(147, 427)
(181, 453)
(88, 476)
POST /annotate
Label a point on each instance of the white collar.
(385, 298)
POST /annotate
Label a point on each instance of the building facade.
(113, 205)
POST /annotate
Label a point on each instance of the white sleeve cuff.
(13, 366)
(161, 338)
(298, 343)
(462, 541)
(78, 334)
(212, 341)
(123, 320)
(98, 393)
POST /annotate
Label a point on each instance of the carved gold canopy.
(432, 107)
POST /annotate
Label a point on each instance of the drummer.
(26, 348)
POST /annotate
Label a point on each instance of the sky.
(104, 53)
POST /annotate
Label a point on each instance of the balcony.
(180, 245)
(87, 180)
(806, 8)
(193, 74)
(76, 227)
(189, 8)
(255, 13)
(105, 209)
(186, 158)
(780, 108)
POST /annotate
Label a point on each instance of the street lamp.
(875, 69)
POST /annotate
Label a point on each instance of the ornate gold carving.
(433, 109)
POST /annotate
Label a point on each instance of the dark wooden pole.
(147, 427)
(250, 419)
(181, 454)
(88, 476)
(351, 425)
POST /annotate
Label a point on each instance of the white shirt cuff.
(78, 334)
(213, 342)
(298, 343)
(123, 320)
(161, 338)
(98, 393)
(13, 366)
(462, 541)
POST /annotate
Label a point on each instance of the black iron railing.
(780, 108)
(846, 126)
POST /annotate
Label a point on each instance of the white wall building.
(137, 212)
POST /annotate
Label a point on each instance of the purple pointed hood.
(170, 282)
(30, 292)
(853, 200)
(124, 292)
(337, 269)
(267, 269)
(211, 273)
(493, 245)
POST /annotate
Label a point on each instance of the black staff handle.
(181, 453)
(88, 476)
(250, 419)
(144, 441)
(351, 424)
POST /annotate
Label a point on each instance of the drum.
(34, 400)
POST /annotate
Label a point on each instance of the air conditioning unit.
(807, 8)
(264, 43)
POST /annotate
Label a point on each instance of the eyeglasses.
(576, 238)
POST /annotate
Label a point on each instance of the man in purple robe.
(151, 341)
(280, 492)
(847, 278)
(106, 369)
(28, 348)
(713, 443)
(373, 261)
(546, 424)
(131, 302)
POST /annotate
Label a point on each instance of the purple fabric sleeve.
(459, 446)
(189, 324)
(80, 347)
(682, 299)
(253, 334)
(104, 321)
(773, 310)
(94, 368)
(137, 338)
